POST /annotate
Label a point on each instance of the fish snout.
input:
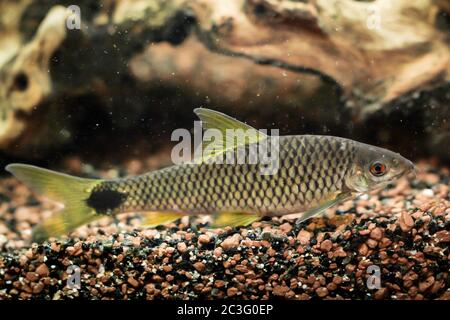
(411, 169)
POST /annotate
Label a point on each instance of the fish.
(314, 172)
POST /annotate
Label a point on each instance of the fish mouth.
(405, 173)
(411, 170)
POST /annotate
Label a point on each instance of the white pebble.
(364, 196)
(428, 193)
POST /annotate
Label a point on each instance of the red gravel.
(404, 230)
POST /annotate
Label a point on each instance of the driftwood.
(378, 56)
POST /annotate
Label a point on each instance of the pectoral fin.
(327, 204)
(154, 218)
(233, 219)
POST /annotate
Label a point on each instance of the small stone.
(241, 268)
(326, 245)
(431, 178)
(286, 227)
(437, 286)
(340, 252)
(363, 249)
(372, 243)
(136, 242)
(133, 282)
(3, 229)
(150, 288)
(42, 270)
(280, 291)
(199, 266)
(380, 293)
(150, 233)
(443, 236)
(55, 246)
(304, 237)
(304, 296)
(405, 221)
(425, 285)
(29, 254)
(364, 232)
(410, 276)
(376, 234)
(428, 193)
(331, 286)
(167, 268)
(231, 292)
(337, 280)
(385, 242)
(38, 288)
(134, 166)
(32, 276)
(350, 268)
(322, 292)
(70, 250)
(218, 252)
(23, 260)
(181, 246)
(170, 250)
(271, 252)
(203, 239)
(231, 242)
(23, 213)
(445, 295)
(219, 283)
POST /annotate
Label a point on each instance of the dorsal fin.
(222, 123)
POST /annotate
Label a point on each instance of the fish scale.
(311, 169)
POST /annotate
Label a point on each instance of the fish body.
(311, 169)
(313, 173)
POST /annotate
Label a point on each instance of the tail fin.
(71, 191)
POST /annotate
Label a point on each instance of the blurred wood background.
(377, 71)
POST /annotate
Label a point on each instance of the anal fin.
(62, 222)
(153, 219)
(233, 219)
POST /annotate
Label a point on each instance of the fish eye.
(378, 169)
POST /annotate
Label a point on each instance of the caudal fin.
(69, 190)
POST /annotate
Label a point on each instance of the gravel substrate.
(404, 230)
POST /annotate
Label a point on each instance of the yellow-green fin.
(154, 218)
(327, 204)
(214, 120)
(71, 191)
(233, 219)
